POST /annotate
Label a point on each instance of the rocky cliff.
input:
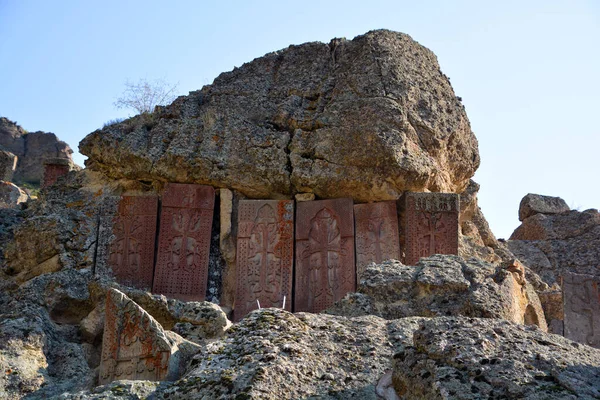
(31, 148)
(367, 118)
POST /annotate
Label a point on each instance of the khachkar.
(431, 225)
(376, 233)
(54, 168)
(265, 255)
(131, 252)
(134, 345)
(325, 269)
(581, 300)
(184, 241)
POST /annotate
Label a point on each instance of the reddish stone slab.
(54, 169)
(131, 252)
(581, 299)
(377, 236)
(431, 225)
(134, 345)
(265, 255)
(184, 241)
(325, 269)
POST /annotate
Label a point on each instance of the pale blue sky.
(528, 71)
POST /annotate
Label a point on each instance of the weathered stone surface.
(443, 285)
(430, 225)
(8, 164)
(265, 255)
(367, 118)
(11, 195)
(465, 358)
(533, 204)
(551, 244)
(325, 269)
(581, 294)
(377, 236)
(32, 148)
(54, 168)
(131, 252)
(134, 345)
(184, 241)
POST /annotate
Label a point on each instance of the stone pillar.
(54, 168)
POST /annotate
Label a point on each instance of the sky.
(528, 71)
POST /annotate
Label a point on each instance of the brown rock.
(11, 195)
(8, 164)
(533, 204)
(367, 118)
(581, 295)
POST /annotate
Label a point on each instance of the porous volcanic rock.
(533, 204)
(443, 285)
(465, 358)
(31, 148)
(11, 195)
(366, 118)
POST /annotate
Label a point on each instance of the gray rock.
(31, 148)
(444, 285)
(11, 196)
(366, 118)
(8, 164)
(533, 204)
(465, 358)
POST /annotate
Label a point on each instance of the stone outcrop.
(533, 204)
(444, 285)
(11, 195)
(31, 148)
(463, 358)
(8, 164)
(367, 118)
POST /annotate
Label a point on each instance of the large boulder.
(463, 358)
(11, 195)
(366, 118)
(533, 204)
(31, 148)
(444, 285)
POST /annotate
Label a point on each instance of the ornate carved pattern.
(52, 172)
(133, 345)
(325, 269)
(265, 255)
(431, 225)
(131, 252)
(376, 233)
(581, 299)
(184, 241)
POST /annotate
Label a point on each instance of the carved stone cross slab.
(581, 299)
(376, 233)
(130, 255)
(265, 255)
(431, 225)
(184, 241)
(54, 168)
(134, 345)
(325, 269)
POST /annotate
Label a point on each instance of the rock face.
(444, 285)
(8, 164)
(31, 149)
(366, 118)
(462, 358)
(11, 195)
(533, 204)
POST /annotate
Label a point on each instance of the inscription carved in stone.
(54, 168)
(431, 225)
(376, 233)
(581, 298)
(131, 253)
(134, 346)
(184, 241)
(265, 255)
(325, 269)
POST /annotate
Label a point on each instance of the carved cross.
(589, 304)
